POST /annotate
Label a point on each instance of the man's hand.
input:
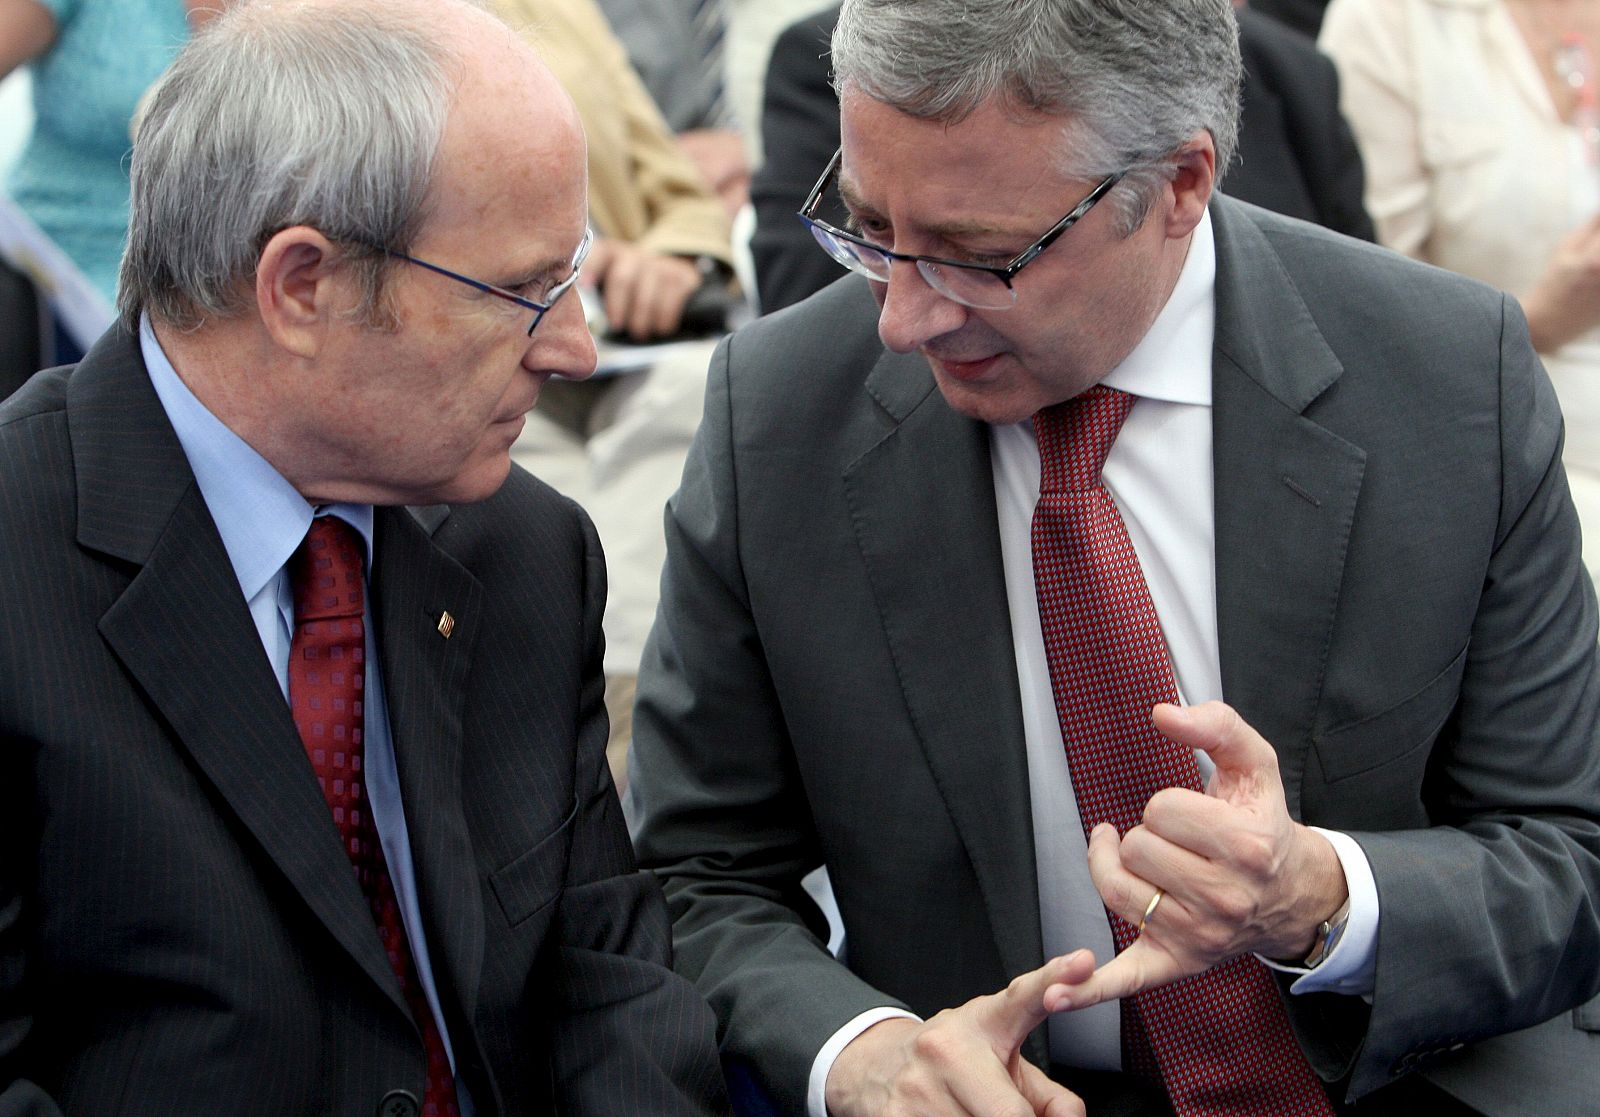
(1236, 872)
(963, 1061)
(643, 292)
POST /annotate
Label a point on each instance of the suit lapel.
(1277, 590)
(414, 584)
(184, 633)
(923, 506)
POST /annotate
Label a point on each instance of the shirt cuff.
(1351, 965)
(816, 1091)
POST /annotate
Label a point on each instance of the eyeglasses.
(539, 309)
(974, 285)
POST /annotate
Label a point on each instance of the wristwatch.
(1329, 932)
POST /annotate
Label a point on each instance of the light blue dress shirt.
(262, 520)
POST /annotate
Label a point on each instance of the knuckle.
(1250, 852)
(1137, 845)
(1118, 894)
(934, 1043)
(1161, 805)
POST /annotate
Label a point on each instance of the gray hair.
(277, 115)
(1134, 79)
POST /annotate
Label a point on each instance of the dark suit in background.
(1305, 16)
(1296, 153)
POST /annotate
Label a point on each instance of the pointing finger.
(1009, 1015)
(1141, 966)
(1242, 756)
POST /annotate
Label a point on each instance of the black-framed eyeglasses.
(540, 309)
(974, 285)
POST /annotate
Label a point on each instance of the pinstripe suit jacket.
(180, 930)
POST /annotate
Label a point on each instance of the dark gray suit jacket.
(180, 929)
(1402, 612)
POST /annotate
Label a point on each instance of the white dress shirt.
(262, 520)
(1159, 472)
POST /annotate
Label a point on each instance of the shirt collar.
(1173, 360)
(259, 515)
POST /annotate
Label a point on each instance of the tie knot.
(326, 572)
(1075, 437)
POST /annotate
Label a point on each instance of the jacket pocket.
(1402, 733)
(529, 883)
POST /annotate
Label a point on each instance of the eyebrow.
(953, 230)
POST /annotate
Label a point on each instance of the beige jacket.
(641, 187)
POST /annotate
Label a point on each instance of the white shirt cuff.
(817, 1089)
(1351, 965)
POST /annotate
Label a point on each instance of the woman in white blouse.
(1479, 126)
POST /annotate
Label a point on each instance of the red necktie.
(327, 668)
(1220, 1042)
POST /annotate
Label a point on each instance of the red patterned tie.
(327, 669)
(1220, 1042)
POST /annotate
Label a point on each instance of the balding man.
(305, 801)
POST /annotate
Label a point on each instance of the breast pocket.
(1376, 765)
(1587, 1016)
(528, 884)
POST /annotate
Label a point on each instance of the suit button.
(399, 1103)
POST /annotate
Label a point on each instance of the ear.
(300, 289)
(1192, 186)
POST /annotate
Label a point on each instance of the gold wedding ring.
(1150, 909)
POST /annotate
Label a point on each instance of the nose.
(562, 344)
(911, 313)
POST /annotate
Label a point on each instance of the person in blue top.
(92, 60)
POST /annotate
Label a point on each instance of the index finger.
(1239, 752)
(1136, 969)
(1009, 1015)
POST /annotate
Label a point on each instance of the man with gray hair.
(1113, 572)
(305, 802)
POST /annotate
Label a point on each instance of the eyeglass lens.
(968, 286)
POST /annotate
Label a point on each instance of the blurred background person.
(1477, 121)
(678, 49)
(661, 261)
(90, 62)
